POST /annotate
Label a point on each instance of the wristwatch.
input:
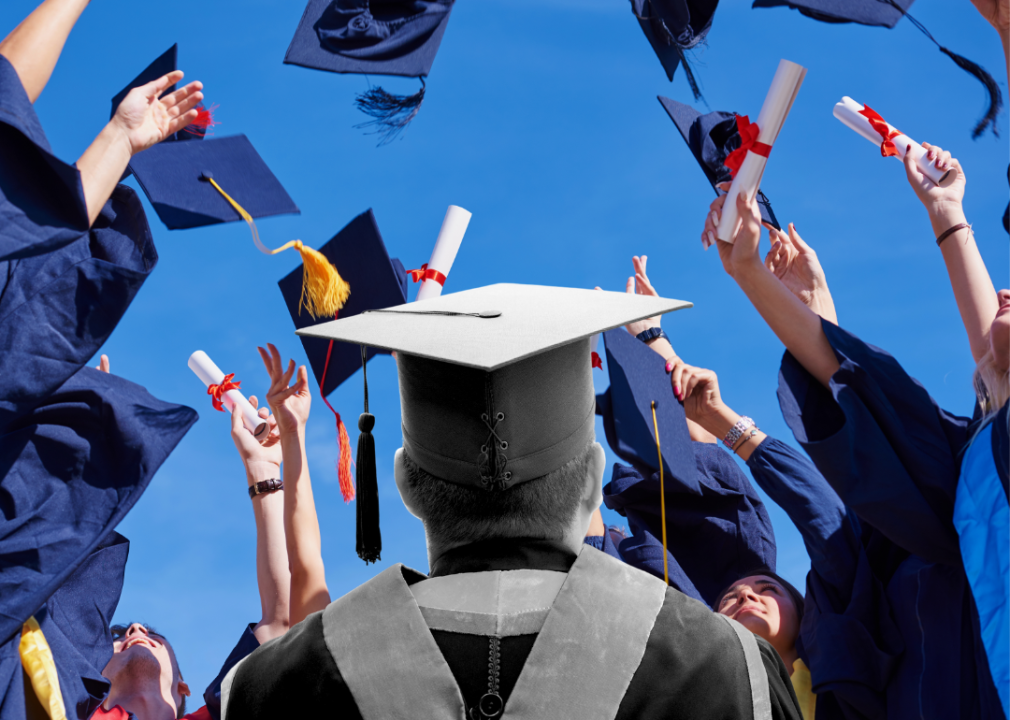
(265, 486)
(653, 333)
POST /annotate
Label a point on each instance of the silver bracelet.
(751, 434)
(742, 425)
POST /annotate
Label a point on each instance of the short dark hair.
(542, 508)
(119, 632)
(795, 594)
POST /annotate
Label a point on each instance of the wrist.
(719, 420)
(747, 272)
(117, 136)
(259, 470)
(943, 216)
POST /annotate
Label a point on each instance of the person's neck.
(573, 540)
(788, 657)
(145, 703)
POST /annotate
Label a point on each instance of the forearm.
(102, 166)
(721, 420)
(969, 279)
(304, 545)
(796, 325)
(272, 573)
(34, 46)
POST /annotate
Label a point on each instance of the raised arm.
(263, 463)
(34, 46)
(291, 405)
(973, 289)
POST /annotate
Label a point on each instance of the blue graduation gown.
(713, 538)
(894, 457)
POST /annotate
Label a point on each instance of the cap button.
(489, 314)
(206, 175)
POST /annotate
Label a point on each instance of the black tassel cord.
(369, 543)
(661, 31)
(390, 113)
(988, 120)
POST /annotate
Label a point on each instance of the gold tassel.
(324, 292)
(37, 660)
(662, 496)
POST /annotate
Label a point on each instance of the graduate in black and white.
(516, 616)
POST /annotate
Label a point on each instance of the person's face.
(999, 333)
(764, 607)
(142, 655)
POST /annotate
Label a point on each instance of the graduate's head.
(768, 606)
(143, 661)
(992, 373)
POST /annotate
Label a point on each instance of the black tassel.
(690, 76)
(995, 96)
(369, 544)
(390, 113)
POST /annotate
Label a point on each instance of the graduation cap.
(673, 26)
(377, 281)
(711, 138)
(373, 37)
(638, 379)
(495, 387)
(887, 13)
(166, 63)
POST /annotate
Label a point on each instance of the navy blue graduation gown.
(894, 457)
(713, 538)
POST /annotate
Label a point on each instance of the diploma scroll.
(210, 374)
(785, 85)
(450, 237)
(850, 113)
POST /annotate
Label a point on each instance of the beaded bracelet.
(742, 425)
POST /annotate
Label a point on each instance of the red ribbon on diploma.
(424, 273)
(748, 143)
(216, 391)
(880, 126)
(597, 362)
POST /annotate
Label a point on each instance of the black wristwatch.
(653, 333)
(265, 486)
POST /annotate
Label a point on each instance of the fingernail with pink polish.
(669, 366)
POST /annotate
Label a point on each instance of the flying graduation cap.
(672, 27)
(495, 386)
(377, 282)
(887, 13)
(712, 138)
(373, 37)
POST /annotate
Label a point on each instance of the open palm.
(290, 403)
(147, 119)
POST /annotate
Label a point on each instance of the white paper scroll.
(450, 237)
(210, 374)
(848, 112)
(778, 102)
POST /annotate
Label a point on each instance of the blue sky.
(540, 118)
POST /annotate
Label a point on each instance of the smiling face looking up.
(144, 664)
(763, 605)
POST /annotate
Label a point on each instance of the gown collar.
(505, 554)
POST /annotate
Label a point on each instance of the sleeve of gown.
(212, 695)
(58, 309)
(881, 442)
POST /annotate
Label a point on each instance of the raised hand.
(742, 253)
(795, 263)
(640, 285)
(146, 119)
(249, 448)
(290, 403)
(698, 389)
(937, 200)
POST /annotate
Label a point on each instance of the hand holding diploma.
(433, 274)
(228, 397)
(892, 142)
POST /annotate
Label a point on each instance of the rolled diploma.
(450, 237)
(211, 374)
(848, 112)
(778, 102)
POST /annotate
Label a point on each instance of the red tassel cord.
(344, 463)
(204, 120)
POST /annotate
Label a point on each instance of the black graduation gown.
(687, 670)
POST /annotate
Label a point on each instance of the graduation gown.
(894, 457)
(615, 643)
(713, 538)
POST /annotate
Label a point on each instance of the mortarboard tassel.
(369, 536)
(661, 31)
(662, 496)
(995, 96)
(204, 121)
(344, 442)
(390, 113)
(40, 669)
(324, 292)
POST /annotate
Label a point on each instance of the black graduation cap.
(887, 13)
(673, 26)
(377, 281)
(711, 138)
(373, 37)
(177, 179)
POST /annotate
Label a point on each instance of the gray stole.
(581, 664)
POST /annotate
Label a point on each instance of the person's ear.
(183, 689)
(592, 496)
(403, 485)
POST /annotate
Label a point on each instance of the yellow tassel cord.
(37, 660)
(324, 292)
(662, 495)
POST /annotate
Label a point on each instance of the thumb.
(236, 419)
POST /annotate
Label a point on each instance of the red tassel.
(597, 362)
(204, 120)
(344, 464)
